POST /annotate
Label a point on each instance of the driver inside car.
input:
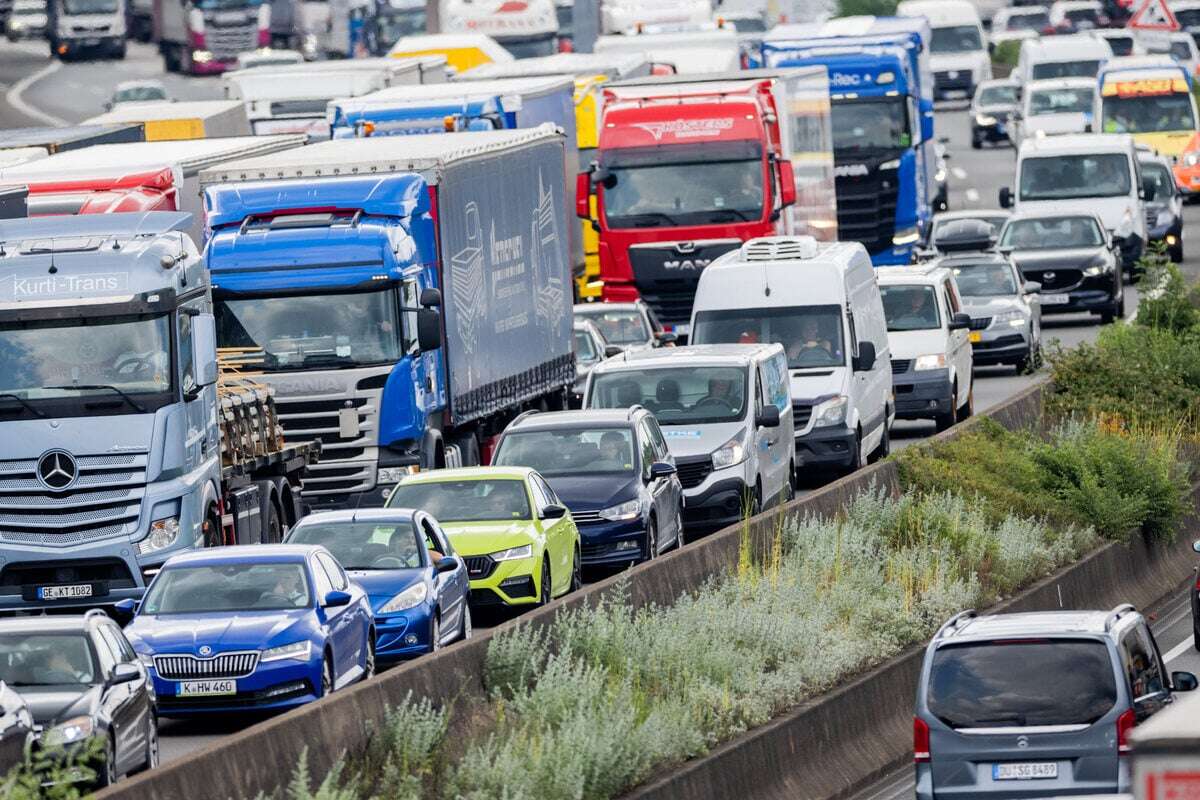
(721, 392)
(289, 585)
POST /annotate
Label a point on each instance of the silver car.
(1005, 311)
(590, 350)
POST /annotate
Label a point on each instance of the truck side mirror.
(204, 349)
(431, 298)
(583, 195)
(926, 107)
(429, 330)
(787, 183)
(1006, 198)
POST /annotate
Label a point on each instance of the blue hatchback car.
(406, 564)
(260, 627)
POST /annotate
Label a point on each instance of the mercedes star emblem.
(57, 469)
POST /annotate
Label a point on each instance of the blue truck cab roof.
(61, 267)
(467, 112)
(870, 71)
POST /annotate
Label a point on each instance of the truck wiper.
(649, 216)
(742, 215)
(27, 405)
(91, 387)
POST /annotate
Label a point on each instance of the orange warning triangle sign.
(1153, 15)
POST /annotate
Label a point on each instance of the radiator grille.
(225, 665)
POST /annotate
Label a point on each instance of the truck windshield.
(676, 395)
(998, 95)
(811, 335)
(227, 5)
(1033, 21)
(668, 194)
(96, 360)
(1065, 177)
(1060, 101)
(394, 23)
(1065, 69)
(90, 6)
(328, 330)
(955, 39)
(870, 124)
(1148, 113)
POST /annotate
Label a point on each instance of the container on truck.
(13, 202)
(958, 51)
(132, 177)
(760, 139)
(526, 28)
(205, 37)
(116, 439)
(462, 50)
(696, 50)
(193, 119)
(59, 140)
(1149, 97)
(380, 237)
(86, 28)
(621, 16)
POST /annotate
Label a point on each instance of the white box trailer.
(192, 119)
(1166, 752)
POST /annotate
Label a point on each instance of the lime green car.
(518, 540)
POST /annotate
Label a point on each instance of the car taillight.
(1125, 724)
(920, 741)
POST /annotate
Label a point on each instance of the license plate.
(91, 42)
(206, 688)
(1055, 299)
(976, 336)
(682, 330)
(65, 592)
(1025, 772)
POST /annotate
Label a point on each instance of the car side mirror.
(768, 417)
(663, 469)
(960, 322)
(1032, 287)
(336, 598)
(865, 360)
(1006, 198)
(611, 350)
(126, 673)
(554, 511)
(666, 337)
(447, 564)
(1196, 545)
(1184, 682)
(204, 349)
(126, 608)
(429, 330)
(583, 195)
(431, 298)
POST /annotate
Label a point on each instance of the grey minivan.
(1037, 704)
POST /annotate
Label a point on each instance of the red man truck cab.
(145, 190)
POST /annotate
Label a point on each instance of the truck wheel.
(170, 63)
(468, 449)
(272, 527)
(211, 531)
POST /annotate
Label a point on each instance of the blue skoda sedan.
(260, 627)
(402, 558)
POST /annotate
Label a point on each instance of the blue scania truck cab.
(884, 148)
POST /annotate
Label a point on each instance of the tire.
(576, 572)
(211, 531)
(106, 773)
(756, 501)
(976, 142)
(885, 443)
(119, 52)
(466, 629)
(326, 676)
(152, 750)
(272, 527)
(1196, 635)
(369, 666)
(856, 458)
(947, 420)
(435, 633)
(967, 410)
(547, 587)
(651, 550)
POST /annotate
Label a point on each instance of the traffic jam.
(423, 327)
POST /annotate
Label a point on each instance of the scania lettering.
(205, 37)
(113, 454)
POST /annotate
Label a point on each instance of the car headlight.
(906, 236)
(300, 651)
(514, 553)
(931, 361)
(410, 597)
(1096, 267)
(163, 533)
(831, 411)
(1191, 159)
(984, 120)
(731, 453)
(1012, 318)
(1165, 217)
(73, 730)
(622, 512)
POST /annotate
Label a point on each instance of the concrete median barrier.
(846, 733)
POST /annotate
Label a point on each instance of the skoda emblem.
(205, 650)
(57, 470)
(1022, 742)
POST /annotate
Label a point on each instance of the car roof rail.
(1115, 615)
(951, 625)
(523, 415)
(633, 409)
(92, 613)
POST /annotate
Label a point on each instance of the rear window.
(1050, 682)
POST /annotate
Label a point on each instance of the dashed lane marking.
(972, 195)
(13, 96)
(959, 173)
(1178, 650)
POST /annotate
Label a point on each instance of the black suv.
(85, 686)
(614, 472)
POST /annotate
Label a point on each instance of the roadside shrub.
(1006, 53)
(1166, 301)
(52, 774)
(878, 8)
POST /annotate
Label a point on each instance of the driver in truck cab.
(810, 339)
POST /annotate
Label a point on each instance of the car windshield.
(221, 588)
(676, 395)
(955, 39)
(667, 194)
(93, 360)
(1004, 685)
(1066, 177)
(940, 223)
(875, 124)
(811, 335)
(1028, 22)
(1188, 17)
(1181, 51)
(364, 545)
(986, 279)
(90, 6)
(626, 326)
(585, 348)
(1065, 69)
(569, 451)
(998, 96)
(910, 308)
(139, 93)
(392, 24)
(1161, 177)
(1147, 113)
(1052, 234)
(1083, 17)
(300, 332)
(1060, 101)
(26, 10)
(465, 501)
(46, 659)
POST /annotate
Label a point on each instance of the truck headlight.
(1012, 318)
(73, 730)
(395, 474)
(298, 651)
(410, 597)
(622, 512)
(984, 120)
(906, 236)
(163, 533)
(1191, 159)
(893, 164)
(514, 553)
(729, 454)
(831, 411)
(931, 361)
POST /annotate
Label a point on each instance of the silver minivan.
(1035, 705)
(726, 413)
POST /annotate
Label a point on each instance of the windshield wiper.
(25, 403)
(93, 387)
(649, 216)
(739, 214)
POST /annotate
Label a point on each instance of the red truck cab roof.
(690, 113)
(144, 190)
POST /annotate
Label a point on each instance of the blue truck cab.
(109, 442)
(879, 73)
(349, 119)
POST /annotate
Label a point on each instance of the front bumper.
(509, 583)
(605, 543)
(273, 686)
(1187, 178)
(1003, 344)
(391, 631)
(830, 446)
(1087, 297)
(953, 83)
(996, 132)
(715, 504)
(923, 394)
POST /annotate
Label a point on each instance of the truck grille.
(961, 81)
(666, 274)
(692, 470)
(801, 414)
(225, 665)
(104, 500)
(1151, 217)
(586, 517)
(867, 208)
(901, 365)
(226, 41)
(112, 572)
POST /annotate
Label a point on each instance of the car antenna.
(766, 283)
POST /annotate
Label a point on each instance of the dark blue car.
(612, 469)
(259, 627)
(404, 561)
